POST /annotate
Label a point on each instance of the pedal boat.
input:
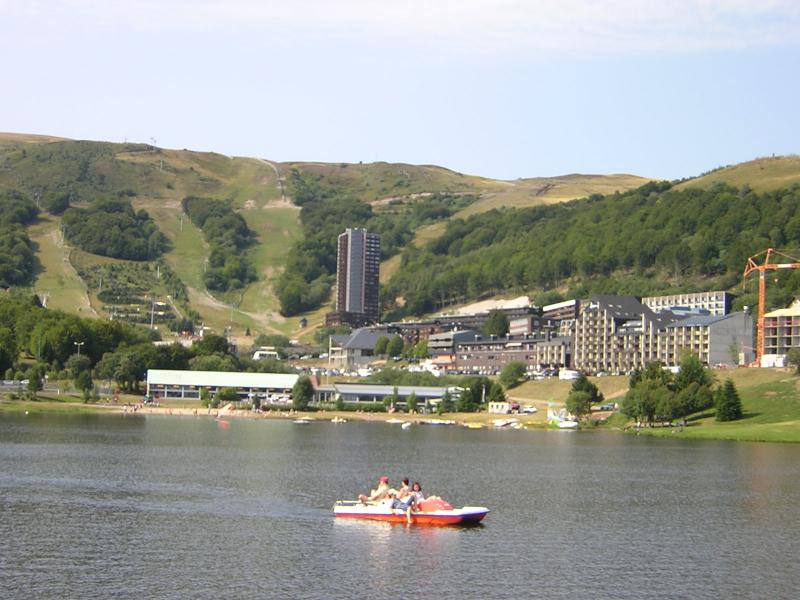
(353, 509)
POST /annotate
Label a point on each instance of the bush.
(512, 373)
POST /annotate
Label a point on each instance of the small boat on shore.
(353, 509)
(338, 420)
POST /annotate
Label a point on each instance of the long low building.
(371, 392)
(163, 384)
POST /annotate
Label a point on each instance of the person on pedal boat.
(379, 493)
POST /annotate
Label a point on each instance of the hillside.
(655, 239)
(50, 169)
(156, 180)
(762, 174)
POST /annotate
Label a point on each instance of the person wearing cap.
(378, 494)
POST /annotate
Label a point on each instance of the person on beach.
(379, 493)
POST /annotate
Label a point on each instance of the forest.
(17, 255)
(326, 212)
(228, 236)
(110, 227)
(655, 239)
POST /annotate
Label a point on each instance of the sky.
(502, 88)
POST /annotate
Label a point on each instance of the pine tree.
(728, 403)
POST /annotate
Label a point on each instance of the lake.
(99, 506)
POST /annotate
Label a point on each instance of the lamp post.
(79, 344)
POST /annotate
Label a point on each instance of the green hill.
(655, 239)
(762, 174)
(51, 170)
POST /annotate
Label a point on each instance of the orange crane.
(753, 265)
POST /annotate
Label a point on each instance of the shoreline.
(771, 414)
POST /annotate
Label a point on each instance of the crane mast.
(753, 264)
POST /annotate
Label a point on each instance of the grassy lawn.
(47, 404)
(555, 390)
(771, 403)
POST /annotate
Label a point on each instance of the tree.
(421, 349)
(793, 358)
(512, 373)
(77, 364)
(496, 324)
(465, 401)
(391, 399)
(205, 397)
(380, 346)
(411, 402)
(728, 403)
(446, 404)
(582, 384)
(211, 344)
(34, 384)
(579, 403)
(395, 346)
(691, 371)
(643, 401)
(692, 399)
(228, 394)
(302, 393)
(656, 373)
(8, 351)
(84, 383)
(496, 393)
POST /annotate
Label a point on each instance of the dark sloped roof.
(621, 307)
(699, 320)
(364, 339)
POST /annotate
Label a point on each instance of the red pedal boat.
(428, 515)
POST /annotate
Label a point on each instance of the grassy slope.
(251, 184)
(771, 403)
(762, 174)
(770, 397)
(57, 279)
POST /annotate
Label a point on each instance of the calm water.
(149, 507)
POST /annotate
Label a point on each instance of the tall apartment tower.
(358, 264)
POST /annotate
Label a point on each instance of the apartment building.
(613, 334)
(358, 263)
(488, 355)
(715, 339)
(782, 330)
(716, 303)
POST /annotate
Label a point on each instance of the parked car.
(529, 410)
(610, 406)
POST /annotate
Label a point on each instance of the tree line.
(227, 234)
(35, 341)
(654, 239)
(18, 261)
(111, 227)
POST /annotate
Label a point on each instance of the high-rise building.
(358, 264)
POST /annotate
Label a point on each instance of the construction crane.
(767, 265)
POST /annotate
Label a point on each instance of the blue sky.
(504, 89)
